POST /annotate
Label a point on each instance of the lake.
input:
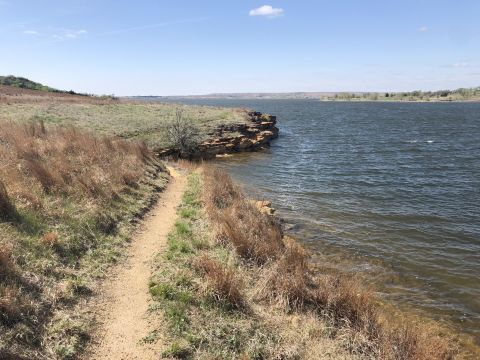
(389, 191)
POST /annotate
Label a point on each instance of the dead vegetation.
(284, 279)
(66, 161)
(221, 280)
(68, 203)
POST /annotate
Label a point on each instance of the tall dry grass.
(256, 237)
(286, 279)
(64, 160)
(221, 280)
(7, 209)
(68, 201)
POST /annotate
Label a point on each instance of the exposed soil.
(122, 306)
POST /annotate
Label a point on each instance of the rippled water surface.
(394, 188)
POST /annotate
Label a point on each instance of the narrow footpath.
(123, 304)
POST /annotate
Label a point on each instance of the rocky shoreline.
(253, 135)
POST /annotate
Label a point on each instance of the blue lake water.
(390, 191)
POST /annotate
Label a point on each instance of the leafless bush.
(182, 135)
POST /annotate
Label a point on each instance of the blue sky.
(195, 47)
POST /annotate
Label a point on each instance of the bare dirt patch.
(122, 307)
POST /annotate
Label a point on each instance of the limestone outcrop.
(253, 135)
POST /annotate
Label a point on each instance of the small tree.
(182, 134)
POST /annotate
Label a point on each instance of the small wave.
(430, 141)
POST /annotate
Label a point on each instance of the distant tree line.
(458, 94)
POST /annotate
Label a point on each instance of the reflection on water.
(392, 189)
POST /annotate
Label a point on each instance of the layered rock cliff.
(255, 134)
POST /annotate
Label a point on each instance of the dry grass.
(66, 161)
(15, 95)
(413, 341)
(138, 120)
(11, 306)
(221, 280)
(256, 237)
(7, 265)
(286, 280)
(7, 209)
(68, 203)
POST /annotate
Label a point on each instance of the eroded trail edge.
(123, 304)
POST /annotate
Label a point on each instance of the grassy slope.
(133, 120)
(24, 83)
(68, 205)
(231, 287)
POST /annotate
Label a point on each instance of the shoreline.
(249, 274)
(337, 267)
(394, 307)
(254, 135)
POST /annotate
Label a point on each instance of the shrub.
(182, 135)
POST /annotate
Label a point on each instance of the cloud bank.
(267, 11)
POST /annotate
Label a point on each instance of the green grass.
(140, 121)
(199, 325)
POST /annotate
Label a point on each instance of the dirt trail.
(124, 302)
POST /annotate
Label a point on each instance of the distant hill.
(24, 83)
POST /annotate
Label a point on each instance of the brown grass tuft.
(11, 306)
(256, 237)
(415, 342)
(7, 266)
(50, 239)
(7, 209)
(287, 281)
(221, 281)
(46, 178)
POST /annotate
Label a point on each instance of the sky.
(147, 47)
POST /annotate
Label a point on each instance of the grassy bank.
(69, 201)
(144, 121)
(233, 286)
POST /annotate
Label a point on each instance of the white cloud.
(30, 32)
(155, 26)
(267, 11)
(70, 34)
(462, 64)
(423, 29)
